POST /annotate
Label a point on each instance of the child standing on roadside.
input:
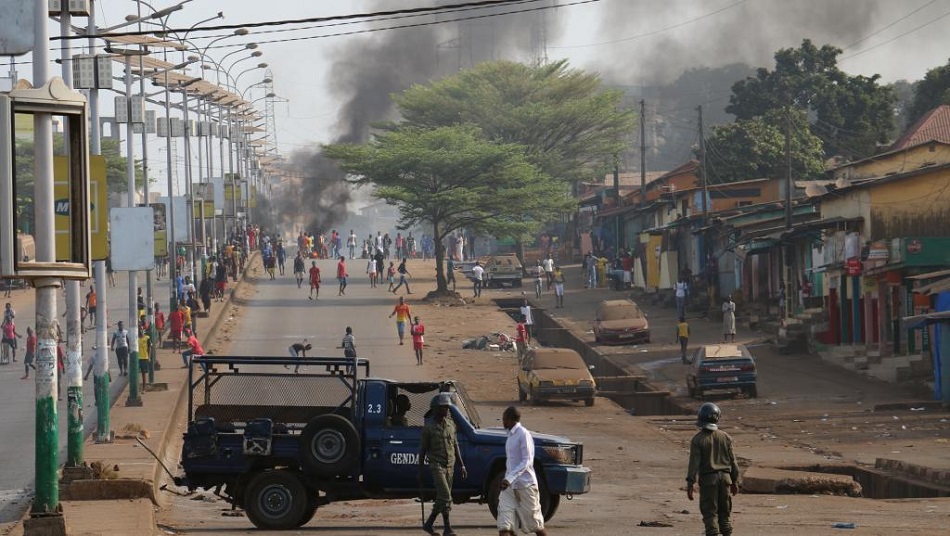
(682, 335)
(30, 353)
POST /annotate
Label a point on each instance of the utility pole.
(132, 369)
(73, 376)
(100, 369)
(788, 169)
(643, 153)
(145, 194)
(46, 499)
(702, 165)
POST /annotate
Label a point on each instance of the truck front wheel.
(329, 446)
(549, 501)
(276, 500)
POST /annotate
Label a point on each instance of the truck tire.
(310, 510)
(549, 501)
(275, 500)
(329, 446)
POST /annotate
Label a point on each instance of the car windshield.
(558, 360)
(724, 351)
(621, 312)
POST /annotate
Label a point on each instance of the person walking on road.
(314, 280)
(371, 272)
(92, 304)
(681, 290)
(548, 265)
(450, 272)
(351, 244)
(559, 287)
(120, 345)
(728, 320)
(477, 273)
(403, 274)
(519, 502)
(401, 311)
(418, 331)
(391, 276)
(538, 273)
(30, 353)
(682, 337)
(348, 344)
(522, 338)
(298, 269)
(439, 443)
(713, 462)
(341, 275)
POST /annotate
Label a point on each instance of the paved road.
(17, 396)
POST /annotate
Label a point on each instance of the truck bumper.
(567, 479)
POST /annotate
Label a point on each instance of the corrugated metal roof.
(933, 126)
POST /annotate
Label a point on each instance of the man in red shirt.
(194, 349)
(522, 338)
(176, 322)
(314, 280)
(341, 275)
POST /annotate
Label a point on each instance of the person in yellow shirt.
(145, 348)
(186, 315)
(682, 335)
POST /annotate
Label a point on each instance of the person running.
(341, 275)
(477, 274)
(269, 264)
(314, 280)
(298, 269)
(298, 350)
(401, 312)
(417, 331)
(403, 274)
(371, 272)
(176, 326)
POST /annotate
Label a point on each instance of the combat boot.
(447, 530)
(428, 525)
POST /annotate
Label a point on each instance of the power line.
(370, 15)
(866, 37)
(895, 38)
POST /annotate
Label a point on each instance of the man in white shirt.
(477, 274)
(519, 502)
(681, 288)
(528, 317)
(548, 265)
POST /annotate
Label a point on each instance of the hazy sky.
(630, 42)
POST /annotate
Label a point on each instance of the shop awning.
(942, 285)
(819, 225)
(930, 275)
(919, 321)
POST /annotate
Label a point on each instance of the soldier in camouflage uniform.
(712, 459)
(440, 443)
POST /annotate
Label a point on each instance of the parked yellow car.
(555, 374)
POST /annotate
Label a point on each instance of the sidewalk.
(126, 504)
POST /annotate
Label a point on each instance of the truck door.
(392, 448)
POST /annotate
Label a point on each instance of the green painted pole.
(73, 378)
(100, 363)
(153, 352)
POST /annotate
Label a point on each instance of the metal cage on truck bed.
(236, 390)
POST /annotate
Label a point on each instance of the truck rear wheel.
(549, 501)
(329, 446)
(276, 500)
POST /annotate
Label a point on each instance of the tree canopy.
(931, 92)
(755, 148)
(850, 114)
(452, 178)
(566, 124)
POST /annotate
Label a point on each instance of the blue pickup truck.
(280, 441)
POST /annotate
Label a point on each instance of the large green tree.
(851, 114)
(931, 92)
(566, 123)
(755, 148)
(451, 178)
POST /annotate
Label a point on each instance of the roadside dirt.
(638, 462)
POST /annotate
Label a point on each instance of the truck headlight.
(564, 454)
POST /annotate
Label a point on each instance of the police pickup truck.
(280, 443)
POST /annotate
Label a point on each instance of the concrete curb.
(181, 400)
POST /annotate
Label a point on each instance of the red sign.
(853, 266)
(914, 246)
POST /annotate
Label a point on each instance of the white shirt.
(526, 313)
(477, 272)
(681, 289)
(519, 468)
(548, 264)
(371, 266)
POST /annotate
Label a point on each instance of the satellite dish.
(815, 190)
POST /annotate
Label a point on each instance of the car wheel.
(753, 391)
(589, 402)
(276, 500)
(329, 446)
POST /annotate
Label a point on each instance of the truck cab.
(281, 444)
